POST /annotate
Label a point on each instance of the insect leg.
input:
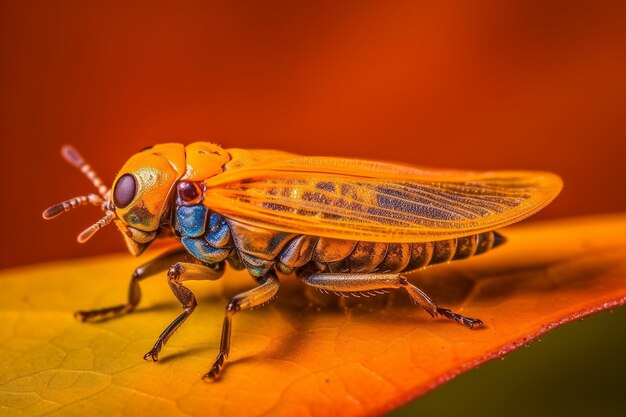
(244, 301)
(152, 267)
(179, 272)
(363, 283)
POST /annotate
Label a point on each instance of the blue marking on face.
(192, 220)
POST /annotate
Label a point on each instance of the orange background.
(503, 85)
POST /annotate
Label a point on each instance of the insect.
(348, 226)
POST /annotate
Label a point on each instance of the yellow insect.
(348, 226)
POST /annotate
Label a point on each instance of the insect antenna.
(86, 234)
(72, 203)
(71, 155)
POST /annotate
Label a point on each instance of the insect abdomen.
(213, 238)
(333, 255)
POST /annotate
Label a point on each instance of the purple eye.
(124, 191)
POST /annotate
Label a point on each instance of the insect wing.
(376, 201)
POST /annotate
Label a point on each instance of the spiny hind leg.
(246, 300)
(368, 283)
(150, 268)
(179, 272)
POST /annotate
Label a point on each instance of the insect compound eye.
(124, 191)
(188, 191)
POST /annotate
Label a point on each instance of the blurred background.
(534, 85)
(494, 85)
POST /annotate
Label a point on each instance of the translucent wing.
(376, 201)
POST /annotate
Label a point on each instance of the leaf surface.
(305, 354)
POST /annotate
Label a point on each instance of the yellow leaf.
(305, 354)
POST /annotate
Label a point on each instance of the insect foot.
(104, 313)
(153, 353)
(465, 321)
(216, 369)
(82, 316)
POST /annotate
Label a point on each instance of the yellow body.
(343, 225)
(329, 197)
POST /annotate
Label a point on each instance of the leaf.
(295, 356)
